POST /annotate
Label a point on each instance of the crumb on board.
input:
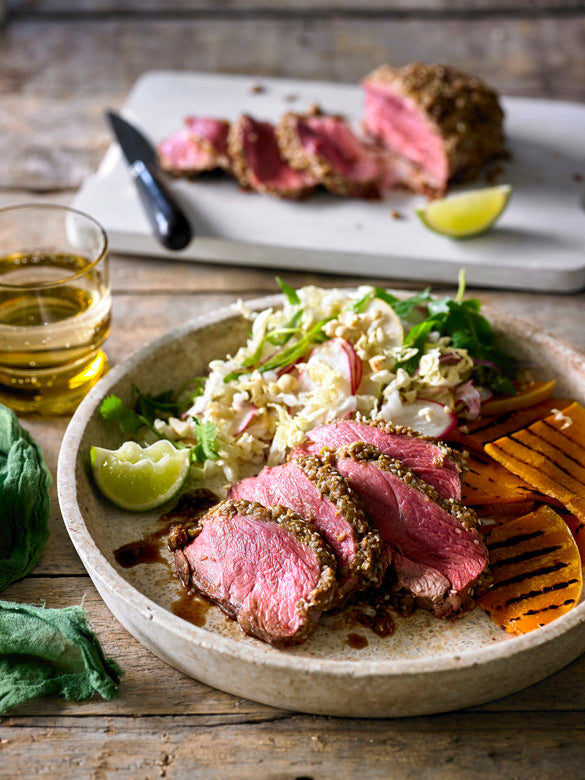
(257, 88)
(396, 214)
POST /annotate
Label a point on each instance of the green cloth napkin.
(45, 652)
(24, 500)
(42, 651)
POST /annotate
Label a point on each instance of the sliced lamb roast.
(436, 552)
(200, 146)
(267, 568)
(258, 164)
(321, 496)
(446, 122)
(428, 459)
(327, 147)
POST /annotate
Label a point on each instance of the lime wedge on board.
(466, 214)
(140, 478)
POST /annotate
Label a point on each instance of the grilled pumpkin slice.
(527, 395)
(488, 482)
(549, 455)
(536, 571)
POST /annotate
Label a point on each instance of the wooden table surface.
(59, 68)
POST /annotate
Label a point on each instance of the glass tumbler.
(55, 307)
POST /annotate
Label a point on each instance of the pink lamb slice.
(200, 146)
(258, 572)
(428, 459)
(331, 138)
(261, 164)
(321, 497)
(401, 126)
(436, 558)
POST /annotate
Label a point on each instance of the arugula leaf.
(467, 329)
(113, 409)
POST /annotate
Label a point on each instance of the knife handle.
(168, 221)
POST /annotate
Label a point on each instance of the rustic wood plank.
(531, 54)
(84, 8)
(451, 747)
(151, 687)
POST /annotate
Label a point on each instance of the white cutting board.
(538, 244)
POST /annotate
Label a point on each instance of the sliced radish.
(339, 355)
(245, 413)
(355, 364)
(423, 416)
(468, 395)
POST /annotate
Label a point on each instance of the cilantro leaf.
(207, 446)
(113, 409)
(150, 407)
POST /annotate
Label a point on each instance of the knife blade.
(168, 221)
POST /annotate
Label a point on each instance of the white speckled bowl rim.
(377, 687)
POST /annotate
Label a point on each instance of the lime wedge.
(466, 214)
(139, 478)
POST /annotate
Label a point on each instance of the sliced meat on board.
(319, 494)
(199, 146)
(446, 122)
(258, 164)
(265, 567)
(326, 147)
(433, 545)
(429, 459)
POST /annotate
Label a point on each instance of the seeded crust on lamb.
(258, 164)
(265, 567)
(199, 146)
(457, 114)
(430, 459)
(326, 147)
(321, 496)
(433, 545)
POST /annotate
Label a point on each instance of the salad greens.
(147, 408)
(421, 314)
(461, 321)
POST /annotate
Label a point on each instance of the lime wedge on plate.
(139, 478)
(466, 214)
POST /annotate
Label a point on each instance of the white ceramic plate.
(426, 666)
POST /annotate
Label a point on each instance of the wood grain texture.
(87, 8)
(451, 747)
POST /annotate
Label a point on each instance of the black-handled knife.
(168, 221)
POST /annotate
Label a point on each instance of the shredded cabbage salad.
(334, 353)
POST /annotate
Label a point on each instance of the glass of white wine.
(55, 307)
